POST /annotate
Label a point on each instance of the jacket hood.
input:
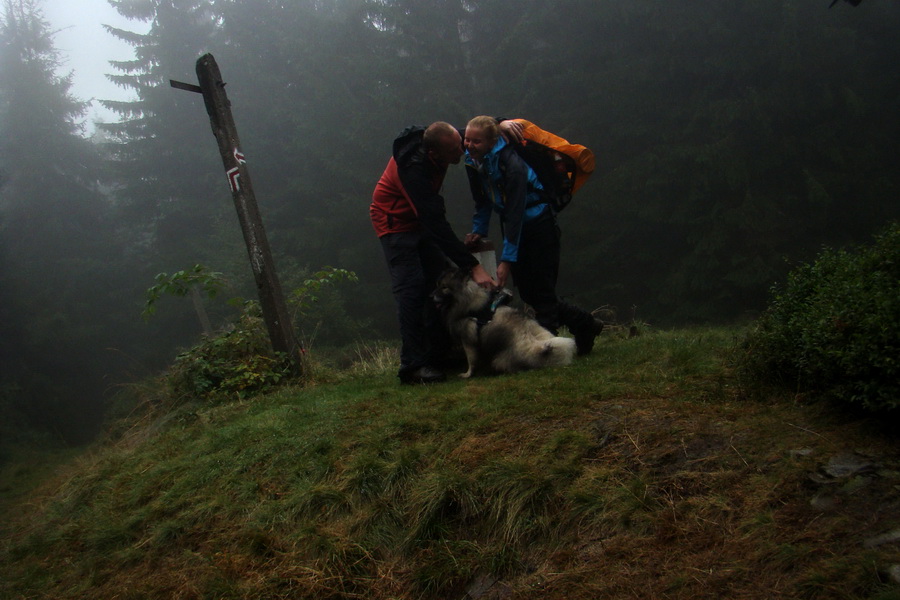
(408, 144)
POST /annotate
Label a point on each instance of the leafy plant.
(319, 307)
(181, 283)
(834, 327)
(303, 297)
(238, 361)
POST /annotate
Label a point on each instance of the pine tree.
(162, 150)
(53, 223)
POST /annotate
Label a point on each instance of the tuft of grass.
(375, 358)
(522, 498)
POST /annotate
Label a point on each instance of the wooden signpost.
(271, 299)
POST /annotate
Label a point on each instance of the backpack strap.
(545, 197)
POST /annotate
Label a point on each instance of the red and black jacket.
(407, 198)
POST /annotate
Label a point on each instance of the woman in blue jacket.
(502, 182)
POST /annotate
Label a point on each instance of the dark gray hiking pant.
(415, 263)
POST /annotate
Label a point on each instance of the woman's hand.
(503, 270)
(482, 277)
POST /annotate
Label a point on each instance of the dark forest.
(734, 140)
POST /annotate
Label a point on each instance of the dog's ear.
(442, 277)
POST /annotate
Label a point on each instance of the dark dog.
(496, 339)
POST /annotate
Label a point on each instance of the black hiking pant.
(535, 274)
(415, 263)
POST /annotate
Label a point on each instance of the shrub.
(834, 327)
(238, 361)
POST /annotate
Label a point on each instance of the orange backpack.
(561, 167)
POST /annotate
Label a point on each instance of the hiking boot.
(424, 374)
(584, 338)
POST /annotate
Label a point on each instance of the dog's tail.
(558, 351)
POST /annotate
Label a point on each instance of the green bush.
(834, 327)
(239, 361)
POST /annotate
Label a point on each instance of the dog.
(496, 338)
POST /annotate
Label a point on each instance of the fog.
(733, 141)
(87, 48)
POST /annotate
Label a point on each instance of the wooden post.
(202, 315)
(271, 299)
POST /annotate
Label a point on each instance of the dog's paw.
(465, 375)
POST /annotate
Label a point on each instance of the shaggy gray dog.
(495, 338)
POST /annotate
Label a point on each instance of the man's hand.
(482, 278)
(472, 241)
(512, 131)
(503, 270)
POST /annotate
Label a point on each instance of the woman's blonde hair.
(488, 126)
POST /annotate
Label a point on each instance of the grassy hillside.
(642, 471)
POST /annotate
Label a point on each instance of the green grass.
(639, 471)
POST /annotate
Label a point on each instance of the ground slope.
(642, 471)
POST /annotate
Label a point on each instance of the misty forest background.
(734, 140)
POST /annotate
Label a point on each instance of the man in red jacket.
(409, 216)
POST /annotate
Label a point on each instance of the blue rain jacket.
(504, 183)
